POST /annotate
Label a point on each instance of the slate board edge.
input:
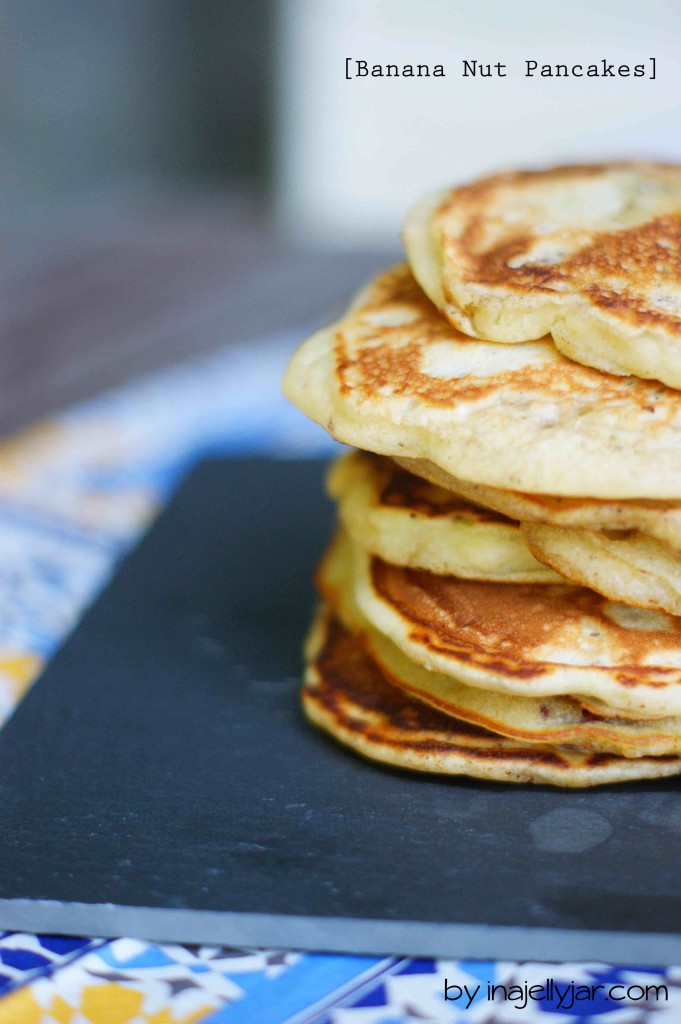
(338, 935)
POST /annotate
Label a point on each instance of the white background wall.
(352, 155)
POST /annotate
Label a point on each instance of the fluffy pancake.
(555, 720)
(395, 378)
(626, 567)
(530, 639)
(408, 521)
(590, 254)
(346, 694)
(661, 520)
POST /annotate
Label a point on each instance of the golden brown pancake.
(346, 695)
(395, 378)
(629, 551)
(627, 567)
(408, 521)
(589, 254)
(556, 720)
(527, 639)
(658, 519)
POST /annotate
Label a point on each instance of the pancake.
(554, 720)
(591, 255)
(626, 567)
(407, 521)
(346, 694)
(661, 520)
(529, 639)
(395, 378)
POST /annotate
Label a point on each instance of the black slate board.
(159, 780)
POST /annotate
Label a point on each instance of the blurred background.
(180, 174)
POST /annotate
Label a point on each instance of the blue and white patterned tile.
(160, 982)
(46, 578)
(25, 957)
(415, 990)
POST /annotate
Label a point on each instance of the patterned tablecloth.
(75, 493)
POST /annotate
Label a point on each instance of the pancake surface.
(659, 519)
(529, 639)
(555, 720)
(346, 694)
(395, 378)
(626, 567)
(408, 521)
(590, 254)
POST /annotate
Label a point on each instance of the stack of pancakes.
(503, 597)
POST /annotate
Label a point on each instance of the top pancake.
(591, 255)
(395, 378)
